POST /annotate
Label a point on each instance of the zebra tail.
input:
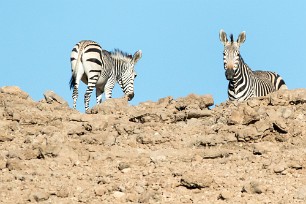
(72, 81)
(75, 71)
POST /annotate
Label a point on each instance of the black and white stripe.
(101, 69)
(243, 82)
(124, 70)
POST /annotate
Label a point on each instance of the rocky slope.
(169, 151)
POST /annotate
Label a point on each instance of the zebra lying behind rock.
(101, 69)
(243, 82)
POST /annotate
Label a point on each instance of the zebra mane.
(232, 38)
(121, 55)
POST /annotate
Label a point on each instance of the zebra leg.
(92, 81)
(75, 95)
(109, 87)
(99, 93)
(87, 96)
(76, 87)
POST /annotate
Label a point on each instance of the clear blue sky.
(182, 53)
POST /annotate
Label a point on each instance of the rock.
(280, 168)
(144, 139)
(193, 101)
(215, 153)
(132, 197)
(248, 133)
(301, 193)
(39, 196)
(4, 137)
(295, 165)
(286, 113)
(250, 116)
(286, 97)
(111, 106)
(259, 151)
(3, 162)
(146, 118)
(123, 165)
(49, 150)
(14, 164)
(77, 129)
(52, 97)
(253, 102)
(188, 114)
(281, 138)
(280, 126)
(158, 156)
(146, 196)
(169, 151)
(63, 192)
(225, 195)
(165, 102)
(264, 148)
(235, 118)
(118, 194)
(100, 190)
(151, 138)
(77, 117)
(14, 90)
(70, 154)
(254, 187)
(263, 125)
(213, 140)
(31, 154)
(192, 180)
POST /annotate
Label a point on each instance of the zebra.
(101, 69)
(243, 82)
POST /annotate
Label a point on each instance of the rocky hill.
(169, 151)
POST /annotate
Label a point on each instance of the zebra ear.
(222, 36)
(137, 56)
(241, 38)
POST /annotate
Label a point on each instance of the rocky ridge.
(169, 151)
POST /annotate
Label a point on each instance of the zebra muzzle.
(229, 74)
(130, 96)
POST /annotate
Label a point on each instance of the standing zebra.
(101, 69)
(243, 82)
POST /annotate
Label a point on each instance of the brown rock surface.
(169, 151)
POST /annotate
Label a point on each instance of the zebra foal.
(101, 69)
(243, 82)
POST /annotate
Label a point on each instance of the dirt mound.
(169, 151)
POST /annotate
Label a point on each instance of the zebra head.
(231, 53)
(128, 74)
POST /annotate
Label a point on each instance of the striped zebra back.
(276, 80)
